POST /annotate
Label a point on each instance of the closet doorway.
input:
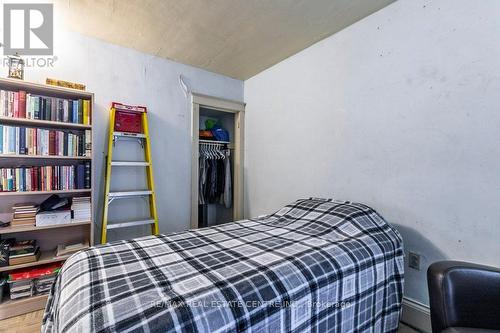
(228, 115)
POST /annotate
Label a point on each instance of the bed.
(316, 265)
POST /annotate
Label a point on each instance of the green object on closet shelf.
(210, 123)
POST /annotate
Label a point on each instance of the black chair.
(464, 297)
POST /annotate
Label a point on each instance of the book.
(53, 217)
(21, 253)
(18, 260)
(22, 104)
(24, 274)
(87, 181)
(87, 142)
(24, 214)
(24, 205)
(15, 222)
(29, 244)
(15, 111)
(64, 250)
(81, 209)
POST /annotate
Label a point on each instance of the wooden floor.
(26, 323)
(31, 322)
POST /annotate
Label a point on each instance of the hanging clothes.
(202, 180)
(228, 188)
(214, 175)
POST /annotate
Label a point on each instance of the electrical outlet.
(414, 260)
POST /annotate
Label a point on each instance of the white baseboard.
(416, 315)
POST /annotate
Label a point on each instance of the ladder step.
(129, 163)
(129, 224)
(126, 194)
(129, 135)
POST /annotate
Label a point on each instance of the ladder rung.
(129, 224)
(129, 135)
(129, 194)
(129, 163)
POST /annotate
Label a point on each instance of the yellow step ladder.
(109, 197)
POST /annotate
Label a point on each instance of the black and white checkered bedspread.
(314, 266)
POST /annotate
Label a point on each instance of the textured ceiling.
(237, 38)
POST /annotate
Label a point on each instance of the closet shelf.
(213, 141)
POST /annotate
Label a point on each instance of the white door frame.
(223, 105)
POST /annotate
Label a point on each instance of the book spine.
(16, 150)
(2, 103)
(88, 143)
(15, 112)
(87, 182)
(22, 140)
(12, 138)
(43, 108)
(52, 143)
(53, 110)
(70, 111)
(80, 111)
(48, 108)
(36, 107)
(22, 104)
(10, 104)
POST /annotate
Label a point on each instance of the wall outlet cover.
(414, 260)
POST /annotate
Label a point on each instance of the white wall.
(116, 73)
(400, 111)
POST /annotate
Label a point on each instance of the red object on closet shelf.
(128, 118)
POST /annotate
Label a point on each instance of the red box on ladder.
(128, 118)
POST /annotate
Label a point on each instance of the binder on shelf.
(53, 217)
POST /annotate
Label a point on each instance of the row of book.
(19, 104)
(45, 178)
(24, 214)
(32, 281)
(19, 252)
(81, 209)
(44, 142)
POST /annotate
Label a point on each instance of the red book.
(35, 174)
(52, 143)
(22, 104)
(15, 113)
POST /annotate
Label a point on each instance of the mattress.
(316, 265)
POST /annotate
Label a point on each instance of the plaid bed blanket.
(316, 265)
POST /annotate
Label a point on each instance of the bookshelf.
(25, 228)
(48, 237)
(46, 157)
(9, 194)
(42, 123)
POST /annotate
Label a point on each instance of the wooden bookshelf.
(42, 123)
(46, 257)
(7, 194)
(26, 228)
(11, 308)
(48, 237)
(46, 157)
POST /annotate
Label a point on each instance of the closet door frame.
(221, 105)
